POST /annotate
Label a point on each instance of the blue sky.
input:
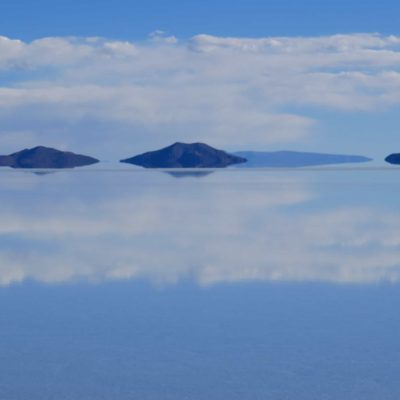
(301, 75)
(127, 19)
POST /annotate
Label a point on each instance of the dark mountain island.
(183, 155)
(393, 158)
(292, 159)
(45, 157)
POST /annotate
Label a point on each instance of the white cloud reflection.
(227, 227)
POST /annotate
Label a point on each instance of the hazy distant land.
(292, 159)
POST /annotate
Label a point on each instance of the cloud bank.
(102, 95)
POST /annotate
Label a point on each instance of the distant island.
(45, 157)
(393, 158)
(185, 155)
(292, 159)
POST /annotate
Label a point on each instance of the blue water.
(234, 285)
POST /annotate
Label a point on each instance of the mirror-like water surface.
(225, 285)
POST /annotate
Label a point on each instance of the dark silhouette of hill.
(45, 157)
(183, 155)
(393, 158)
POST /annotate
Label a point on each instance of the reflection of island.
(45, 157)
(43, 173)
(189, 174)
(292, 159)
(182, 155)
(393, 158)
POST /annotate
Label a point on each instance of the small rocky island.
(45, 157)
(393, 158)
(184, 155)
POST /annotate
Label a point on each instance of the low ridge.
(293, 159)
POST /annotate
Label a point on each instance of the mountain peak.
(185, 155)
(45, 157)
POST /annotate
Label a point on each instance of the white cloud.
(160, 36)
(227, 91)
(328, 44)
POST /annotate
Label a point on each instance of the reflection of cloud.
(345, 245)
(226, 227)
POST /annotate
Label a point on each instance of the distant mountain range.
(292, 159)
(184, 155)
(45, 157)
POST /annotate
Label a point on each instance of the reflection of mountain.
(393, 158)
(290, 159)
(182, 155)
(189, 174)
(43, 173)
(45, 157)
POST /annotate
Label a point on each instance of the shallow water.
(229, 285)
